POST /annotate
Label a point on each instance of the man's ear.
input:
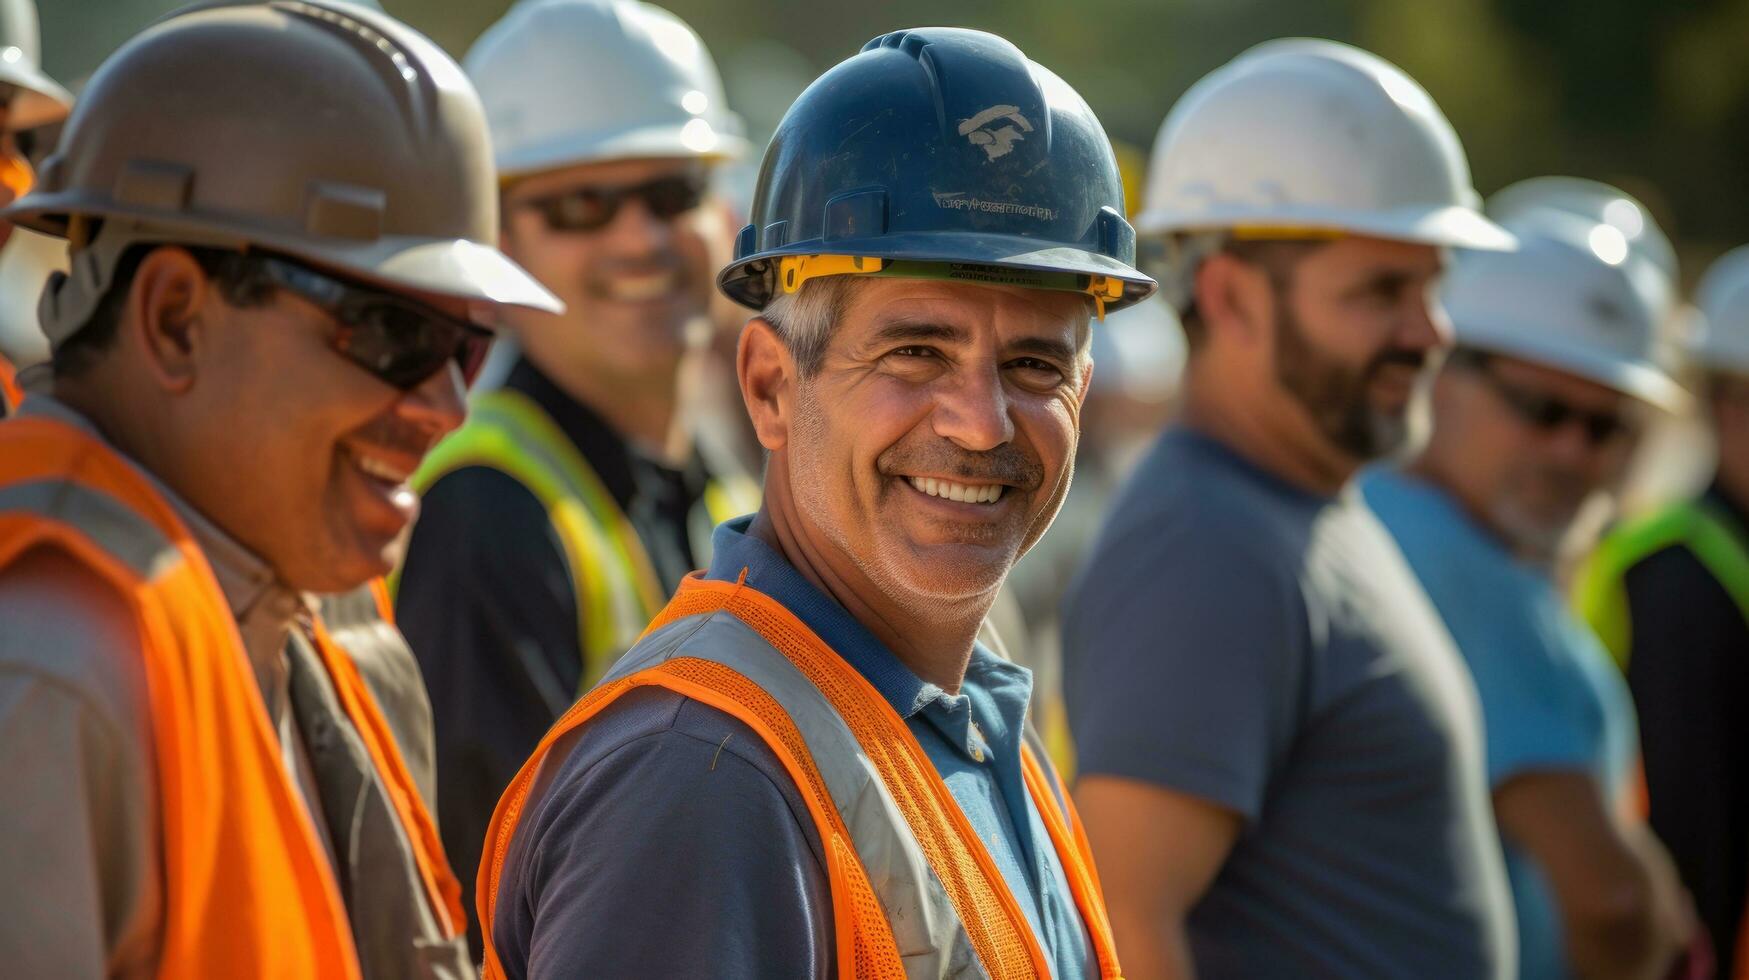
(165, 303)
(767, 372)
(1234, 299)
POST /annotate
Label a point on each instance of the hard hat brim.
(749, 283)
(659, 142)
(1633, 377)
(1446, 226)
(40, 100)
(457, 269)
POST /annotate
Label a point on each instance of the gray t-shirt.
(1240, 640)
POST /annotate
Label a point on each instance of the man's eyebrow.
(913, 331)
(1044, 347)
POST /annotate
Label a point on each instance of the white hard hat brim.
(1635, 378)
(1448, 226)
(464, 270)
(657, 142)
(40, 99)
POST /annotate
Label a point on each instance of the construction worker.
(265, 326)
(562, 515)
(1279, 752)
(807, 768)
(28, 98)
(1668, 593)
(1536, 410)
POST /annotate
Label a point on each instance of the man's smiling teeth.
(965, 493)
(382, 469)
(639, 289)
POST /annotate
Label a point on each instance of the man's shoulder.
(653, 747)
(69, 628)
(1191, 489)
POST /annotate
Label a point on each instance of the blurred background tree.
(1653, 97)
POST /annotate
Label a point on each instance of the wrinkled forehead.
(971, 310)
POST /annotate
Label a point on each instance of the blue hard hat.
(939, 153)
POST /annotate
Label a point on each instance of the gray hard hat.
(37, 99)
(320, 130)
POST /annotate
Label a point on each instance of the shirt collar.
(734, 550)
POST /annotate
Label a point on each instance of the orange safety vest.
(10, 393)
(248, 889)
(911, 882)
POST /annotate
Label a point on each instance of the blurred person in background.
(1538, 408)
(1279, 750)
(1668, 593)
(809, 767)
(200, 781)
(28, 99)
(560, 517)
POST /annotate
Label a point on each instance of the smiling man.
(1536, 410)
(567, 509)
(265, 328)
(1279, 751)
(808, 767)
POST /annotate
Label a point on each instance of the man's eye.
(1033, 365)
(913, 350)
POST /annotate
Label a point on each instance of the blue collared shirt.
(973, 738)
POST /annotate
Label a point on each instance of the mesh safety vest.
(248, 889)
(1713, 538)
(617, 590)
(914, 891)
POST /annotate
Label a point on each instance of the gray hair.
(804, 319)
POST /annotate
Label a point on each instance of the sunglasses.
(1547, 413)
(593, 208)
(398, 340)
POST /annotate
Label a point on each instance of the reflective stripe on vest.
(1600, 590)
(247, 887)
(617, 590)
(914, 891)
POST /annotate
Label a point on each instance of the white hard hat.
(1614, 222)
(1311, 135)
(1719, 338)
(38, 99)
(1561, 303)
(581, 81)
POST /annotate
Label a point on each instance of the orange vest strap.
(10, 393)
(866, 947)
(248, 889)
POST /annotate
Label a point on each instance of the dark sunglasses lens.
(579, 210)
(401, 345)
(672, 197)
(1601, 429)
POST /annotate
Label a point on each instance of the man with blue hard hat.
(808, 767)
(1279, 753)
(1536, 410)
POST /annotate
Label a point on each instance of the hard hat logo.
(997, 142)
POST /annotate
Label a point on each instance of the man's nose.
(971, 410)
(439, 403)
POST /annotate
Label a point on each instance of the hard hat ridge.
(568, 82)
(939, 152)
(1307, 135)
(245, 125)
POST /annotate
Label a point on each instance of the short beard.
(1335, 395)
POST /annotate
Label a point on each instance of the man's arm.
(1157, 852)
(1622, 909)
(78, 859)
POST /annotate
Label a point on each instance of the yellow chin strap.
(794, 270)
